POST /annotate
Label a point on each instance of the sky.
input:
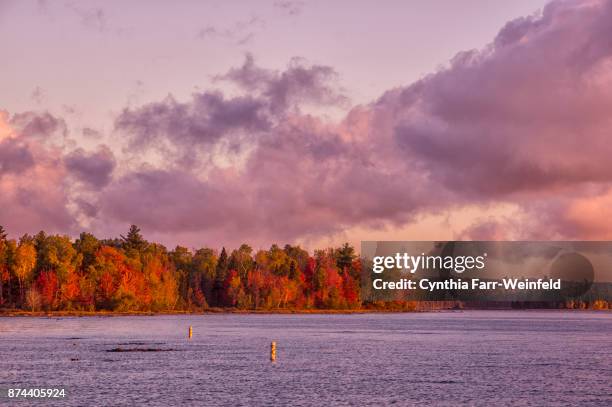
(217, 123)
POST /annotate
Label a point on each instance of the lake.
(479, 358)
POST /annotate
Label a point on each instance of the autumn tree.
(120, 286)
(203, 273)
(298, 255)
(278, 261)
(233, 290)
(255, 284)
(47, 285)
(159, 275)
(4, 263)
(57, 253)
(87, 245)
(33, 299)
(182, 260)
(24, 263)
(241, 260)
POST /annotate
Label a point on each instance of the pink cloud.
(525, 121)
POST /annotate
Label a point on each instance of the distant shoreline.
(22, 313)
(55, 314)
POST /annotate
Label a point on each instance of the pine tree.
(344, 256)
(222, 266)
(220, 275)
(4, 275)
(134, 240)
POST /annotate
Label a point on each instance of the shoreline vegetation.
(212, 311)
(282, 311)
(52, 275)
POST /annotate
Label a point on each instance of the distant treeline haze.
(130, 274)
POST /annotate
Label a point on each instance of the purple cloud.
(33, 192)
(204, 120)
(298, 84)
(38, 125)
(524, 121)
(15, 157)
(189, 131)
(528, 113)
(94, 168)
(489, 128)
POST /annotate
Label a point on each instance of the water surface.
(477, 358)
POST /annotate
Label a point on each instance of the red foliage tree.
(47, 286)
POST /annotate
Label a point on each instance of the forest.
(52, 272)
(129, 274)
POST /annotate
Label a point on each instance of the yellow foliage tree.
(25, 261)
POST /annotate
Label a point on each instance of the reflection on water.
(472, 358)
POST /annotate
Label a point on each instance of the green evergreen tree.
(222, 266)
(220, 275)
(344, 257)
(134, 240)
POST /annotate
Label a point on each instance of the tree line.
(52, 272)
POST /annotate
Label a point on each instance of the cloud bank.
(524, 121)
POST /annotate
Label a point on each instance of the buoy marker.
(273, 351)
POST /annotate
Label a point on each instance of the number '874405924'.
(35, 392)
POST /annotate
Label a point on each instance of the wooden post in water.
(190, 331)
(273, 351)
